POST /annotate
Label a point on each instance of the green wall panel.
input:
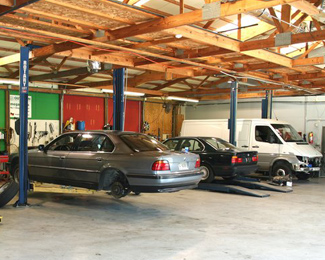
(44, 105)
(2, 116)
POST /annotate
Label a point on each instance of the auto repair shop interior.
(162, 129)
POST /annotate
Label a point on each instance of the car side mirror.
(41, 147)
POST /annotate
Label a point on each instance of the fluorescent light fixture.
(31, 84)
(137, 94)
(182, 99)
(141, 2)
(127, 93)
(10, 81)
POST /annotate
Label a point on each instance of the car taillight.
(255, 158)
(197, 164)
(235, 160)
(161, 165)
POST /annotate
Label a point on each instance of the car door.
(83, 165)
(48, 165)
(267, 144)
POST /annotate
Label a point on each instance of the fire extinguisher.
(311, 137)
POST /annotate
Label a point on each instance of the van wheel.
(208, 174)
(302, 176)
(281, 169)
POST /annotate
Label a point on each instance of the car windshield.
(287, 132)
(143, 143)
(218, 143)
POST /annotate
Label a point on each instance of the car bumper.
(164, 182)
(236, 170)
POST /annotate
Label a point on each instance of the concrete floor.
(185, 225)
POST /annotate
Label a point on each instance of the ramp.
(231, 189)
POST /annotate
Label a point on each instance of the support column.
(7, 113)
(23, 115)
(267, 104)
(118, 99)
(233, 112)
(106, 119)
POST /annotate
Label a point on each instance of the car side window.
(171, 144)
(265, 134)
(64, 143)
(107, 146)
(192, 145)
(91, 142)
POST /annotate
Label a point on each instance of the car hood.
(304, 149)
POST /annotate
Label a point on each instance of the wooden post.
(239, 27)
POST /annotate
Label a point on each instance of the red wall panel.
(88, 109)
(91, 110)
(133, 115)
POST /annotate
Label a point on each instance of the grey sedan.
(115, 161)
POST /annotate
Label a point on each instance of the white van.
(281, 149)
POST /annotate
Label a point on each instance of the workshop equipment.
(3, 160)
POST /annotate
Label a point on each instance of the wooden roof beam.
(60, 74)
(295, 38)
(168, 84)
(192, 17)
(253, 95)
(7, 5)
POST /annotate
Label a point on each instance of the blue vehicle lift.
(23, 115)
(233, 112)
(118, 98)
(267, 104)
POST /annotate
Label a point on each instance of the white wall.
(304, 113)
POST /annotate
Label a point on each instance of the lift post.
(23, 115)
(233, 112)
(118, 98)
(267, 104)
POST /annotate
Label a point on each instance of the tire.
(118, 190)
(7, 191)
(208, 174)
(15, 173)
(281, 169)
(302, 176)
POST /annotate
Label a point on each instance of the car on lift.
(218, 157)
(115, 161)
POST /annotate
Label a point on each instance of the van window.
(265, 134)
(287, 132)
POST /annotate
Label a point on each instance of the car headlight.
(303, 159)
